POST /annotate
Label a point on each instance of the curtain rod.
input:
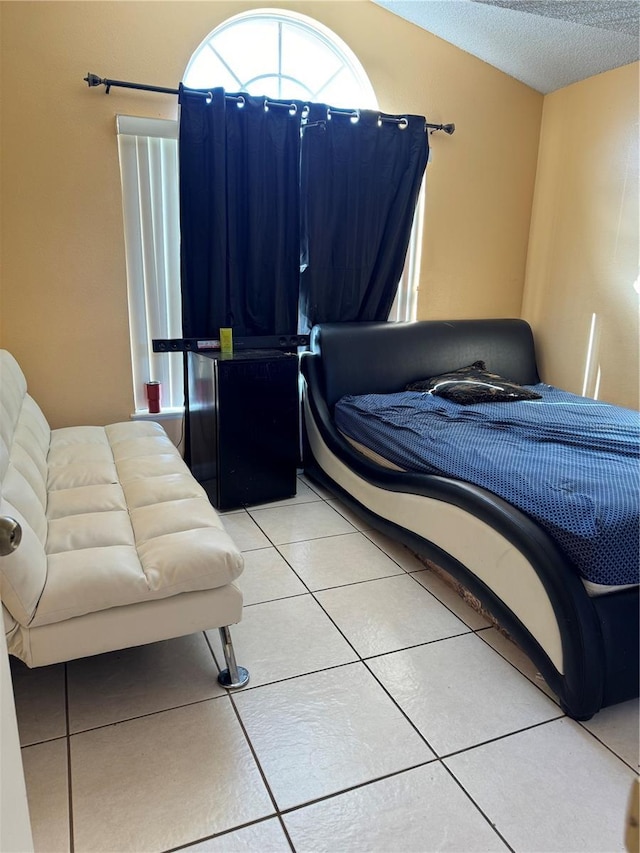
(93, 80)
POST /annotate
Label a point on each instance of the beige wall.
(583, 252)
(63, 303)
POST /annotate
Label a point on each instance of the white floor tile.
(267, 576)
(265, 837)
(445, 593)
(164, 780)
(316, 487)
(284, 638)
(396, 550)
(459, 693)
(514, 654)
(244, 531)
(336, 750)
(45, 773)
(321, 733)
(301, 521)
(338, 560)
(39, 701)
(121, 685)
(353, 517)
(303, 495)
(618, 727)
(551, 788)
(413, 812)
(388, 614)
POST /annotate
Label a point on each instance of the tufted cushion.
(137, 542)
(24, 441)
(111, 516)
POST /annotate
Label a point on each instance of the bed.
(560, 581)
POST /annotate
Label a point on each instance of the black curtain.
(360, 179)
(239, 214)
(269, 220)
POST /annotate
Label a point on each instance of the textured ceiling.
(546, 44)
(618, 15)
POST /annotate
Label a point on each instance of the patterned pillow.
(473, 384)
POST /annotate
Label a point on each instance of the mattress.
(569, 462)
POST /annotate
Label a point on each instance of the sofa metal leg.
(234, 676)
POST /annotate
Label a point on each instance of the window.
(266, 52)
(148, 151)
(282, 55)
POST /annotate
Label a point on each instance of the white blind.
(148, 152)
(405, 305)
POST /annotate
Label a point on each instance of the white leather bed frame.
(585, 646)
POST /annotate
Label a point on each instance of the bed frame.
(586, 647)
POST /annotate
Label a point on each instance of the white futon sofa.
(108, 540)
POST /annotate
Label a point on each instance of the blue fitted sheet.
(569, 462)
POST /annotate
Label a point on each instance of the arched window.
(282, 55)
(270, 52)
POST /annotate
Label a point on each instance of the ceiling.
(546, 44)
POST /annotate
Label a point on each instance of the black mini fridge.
(243, 425)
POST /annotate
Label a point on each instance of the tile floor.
(383, 714)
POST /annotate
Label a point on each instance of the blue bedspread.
(570, 463)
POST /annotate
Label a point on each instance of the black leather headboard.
(369, 358)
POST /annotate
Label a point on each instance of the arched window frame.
(342, 82)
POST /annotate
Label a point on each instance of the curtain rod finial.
(448, 128)
(93, 80)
